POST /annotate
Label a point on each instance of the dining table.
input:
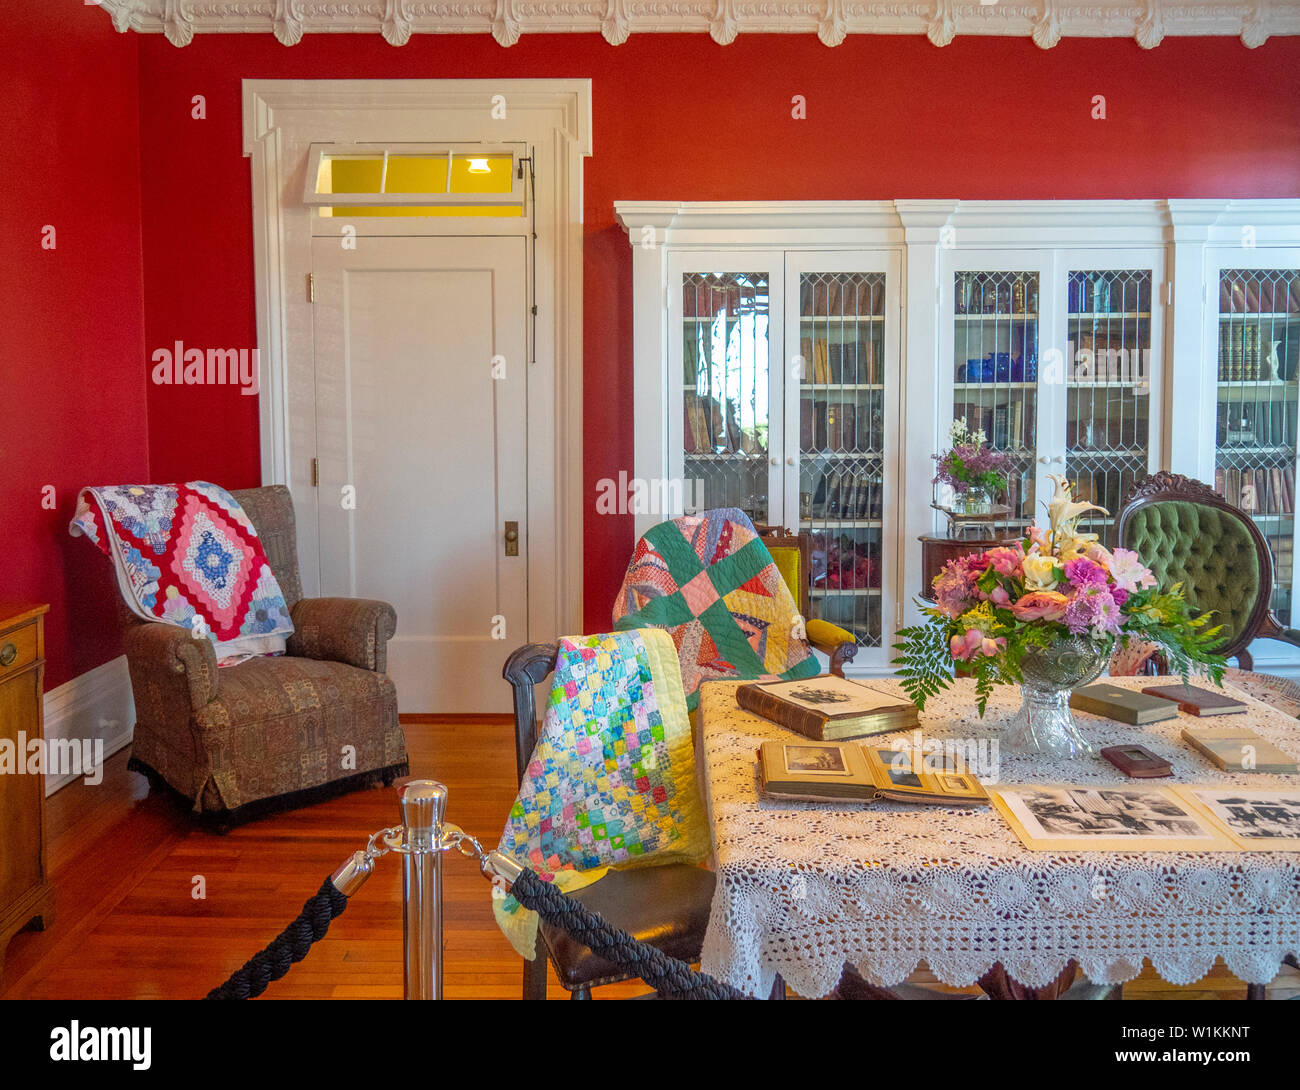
(810, 894)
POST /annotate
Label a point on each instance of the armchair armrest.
(838, 644)
(1288, 635)
(168, 658)
(351, 630)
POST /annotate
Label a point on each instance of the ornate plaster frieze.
(1045, 21)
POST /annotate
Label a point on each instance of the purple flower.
(1092, 611)
(1085, 573)
(954, 588)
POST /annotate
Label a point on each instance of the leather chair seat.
(667, 906)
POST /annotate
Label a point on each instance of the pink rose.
(999, 597)
(1045, 605)
(1004, 560)
(972, 643)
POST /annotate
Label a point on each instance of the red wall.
(676, 117)
(72, 401)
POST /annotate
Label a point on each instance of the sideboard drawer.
(18, 649)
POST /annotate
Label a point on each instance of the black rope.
(288, 948)
(671, 978)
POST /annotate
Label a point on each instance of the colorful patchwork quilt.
(611, 782)
(188, 555)
(709, 580)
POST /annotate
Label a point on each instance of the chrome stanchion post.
(424, 806)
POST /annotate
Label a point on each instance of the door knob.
(512, 539)
(775, 461)
(789, 461)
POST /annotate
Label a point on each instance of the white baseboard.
(94, 705)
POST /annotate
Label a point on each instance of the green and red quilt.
(709, 580)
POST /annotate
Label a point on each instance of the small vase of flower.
(973, 470)
(1045, 614)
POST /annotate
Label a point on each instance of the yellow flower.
(1038, 572)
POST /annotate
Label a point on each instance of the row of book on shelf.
(827, 363)
(1258, 491)
(1250, 293)
(1258, 423)
(849, 496)
(1249, 352)
(847, 295)
(1002, 425)
(841, 425)
(710, 428)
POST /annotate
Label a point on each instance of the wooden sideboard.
(26, 899)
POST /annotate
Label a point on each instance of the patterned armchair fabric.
(270, 733)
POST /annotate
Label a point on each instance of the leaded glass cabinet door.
(1114, 320)
(841, 419)
(727, 349)
(1258, 361)
(995, 367)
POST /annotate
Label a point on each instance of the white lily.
(1064, 511)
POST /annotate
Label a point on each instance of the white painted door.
(420, 434)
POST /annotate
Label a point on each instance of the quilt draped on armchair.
(709, 581)
(188, 555)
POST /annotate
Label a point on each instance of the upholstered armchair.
(1187, 533)
(271, 733)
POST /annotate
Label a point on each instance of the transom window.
(415, 180)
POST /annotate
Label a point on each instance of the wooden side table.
(938, 549)
(26, 899)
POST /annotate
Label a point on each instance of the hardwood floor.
(124, 861)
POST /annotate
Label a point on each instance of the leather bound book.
(828, 707)
(1197, 701)
(1125, 705)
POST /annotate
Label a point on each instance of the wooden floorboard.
(123, 862)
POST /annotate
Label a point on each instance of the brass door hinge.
(311, 287)
(315, 472)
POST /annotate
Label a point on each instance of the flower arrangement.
(992, 607)
(969, 463)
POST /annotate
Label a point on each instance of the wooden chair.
(1187, 533)
(793, 555)
(666, 906)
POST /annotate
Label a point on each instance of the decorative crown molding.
(288, 23)
(1047, 28)
(1046, 21)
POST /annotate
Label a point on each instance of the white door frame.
(282, 118)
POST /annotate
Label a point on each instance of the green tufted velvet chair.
(1186, 532)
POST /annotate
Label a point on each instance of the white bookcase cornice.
(970, 224)
(1046, 21)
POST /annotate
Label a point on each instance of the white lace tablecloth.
(804, 888)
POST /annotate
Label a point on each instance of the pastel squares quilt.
(611, 782)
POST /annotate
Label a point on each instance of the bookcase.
(1056, 356)
(787, 364)
(1257, 378)
(803, 361)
